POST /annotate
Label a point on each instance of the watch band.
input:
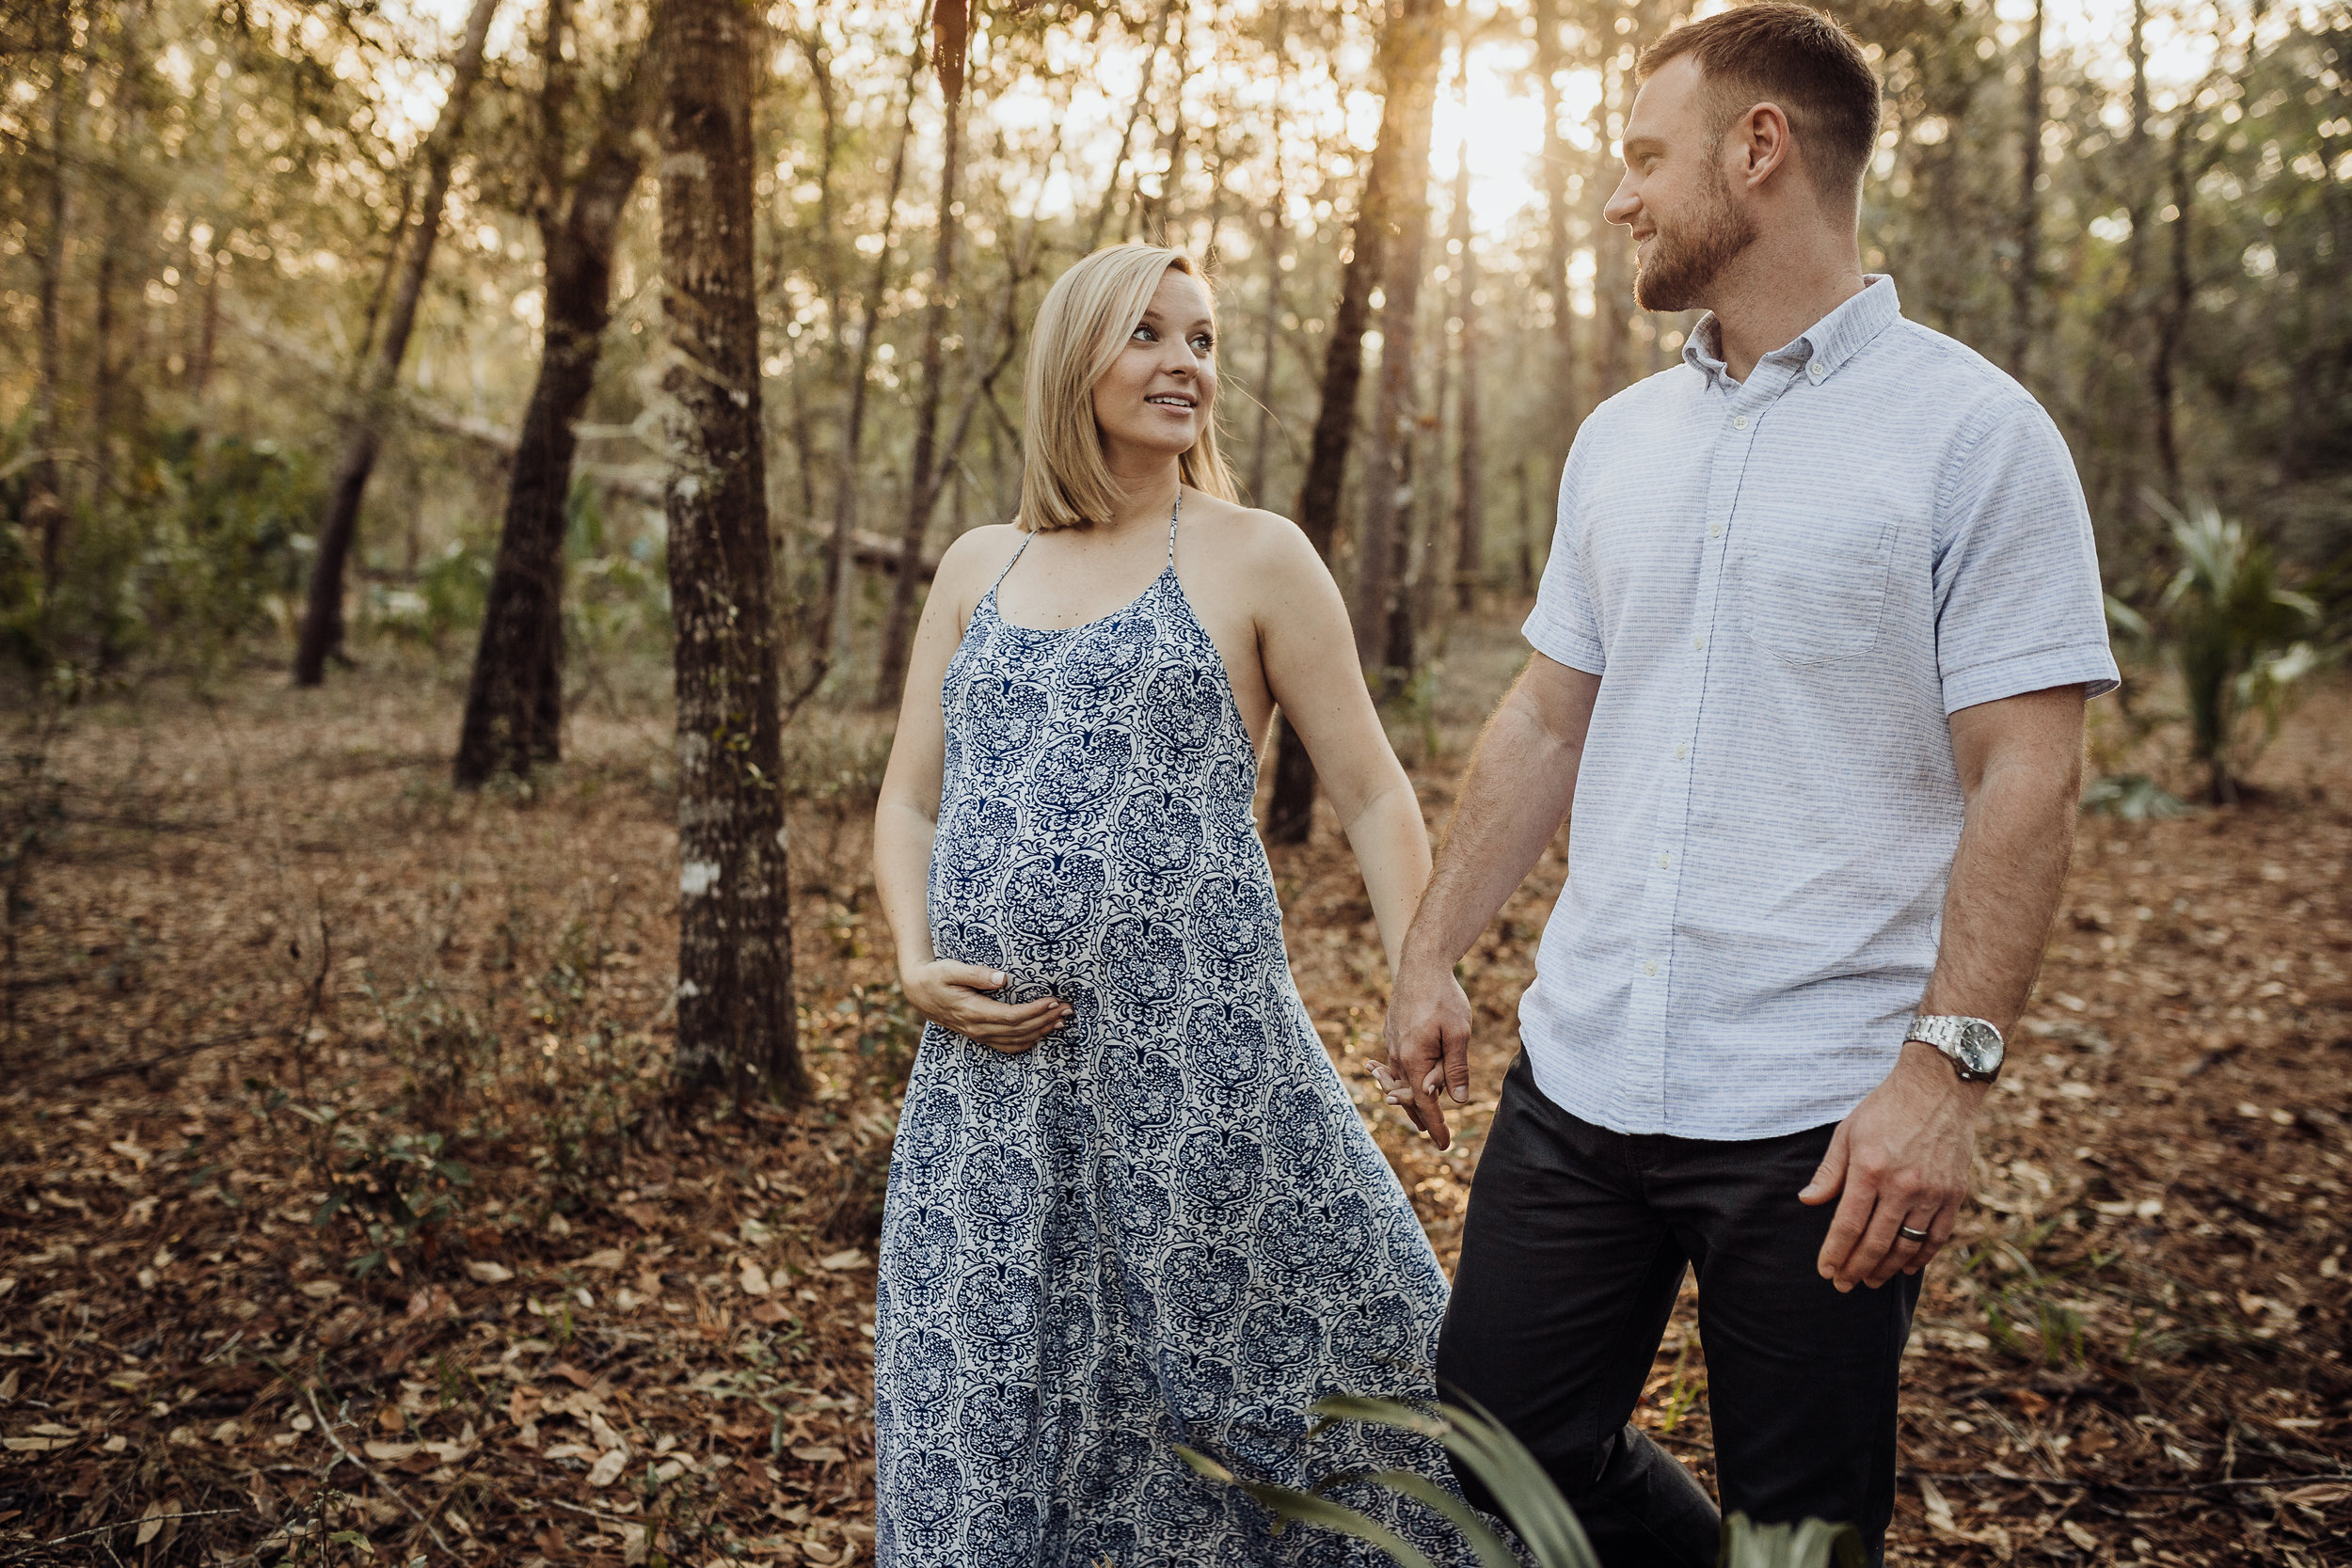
(1972, 1045)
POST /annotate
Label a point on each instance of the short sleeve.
(2018, 598)
(1564, 627)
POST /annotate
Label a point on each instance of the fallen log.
(872, 552)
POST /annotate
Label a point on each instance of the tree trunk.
(1276, 232)
(122, 248)
(1470, 501)
(735, 1027)
(208, 325)
(2173, 321)
(1557, 251)
(2028, 236)
(1431, 514)
(1613, 283)
(924, 471)
(105, 368)
(47, 504)
(1289, 815)
(384, 276)
(1527, 533)
(1157, 213)
(1127, 134)
(323, 613)
(1383, 561)
(515, 701)
(832, 624)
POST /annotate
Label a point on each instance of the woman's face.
(1153, 403)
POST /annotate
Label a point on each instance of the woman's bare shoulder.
(1250, 540)
(974, 557)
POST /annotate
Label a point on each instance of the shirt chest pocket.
(1813, 591)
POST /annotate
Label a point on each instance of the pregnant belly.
(1121, 910)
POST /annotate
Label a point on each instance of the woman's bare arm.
(1307, 653)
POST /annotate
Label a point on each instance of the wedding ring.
(1908, 1234)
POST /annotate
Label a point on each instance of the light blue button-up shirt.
(1786, 585)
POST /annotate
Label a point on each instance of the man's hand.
(1428, 1035)
(952, 995)
(1901, 1160)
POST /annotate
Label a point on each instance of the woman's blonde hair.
(1083, 326)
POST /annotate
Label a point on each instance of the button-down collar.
(1820, 350)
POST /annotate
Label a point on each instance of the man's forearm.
(1517, 791)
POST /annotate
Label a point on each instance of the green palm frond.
(1502, 1463)
(1542, 1517)
(1815, 1543)
(2233, 627)
(1306, 1507)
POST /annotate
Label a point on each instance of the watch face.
(1979, 1047)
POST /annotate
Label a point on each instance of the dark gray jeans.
(1572, 1254)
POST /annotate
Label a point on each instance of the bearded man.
(1810, 659)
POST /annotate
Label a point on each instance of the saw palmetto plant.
(1539, 1516)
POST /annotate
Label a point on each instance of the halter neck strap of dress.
(1177, 512)
(1027, 536)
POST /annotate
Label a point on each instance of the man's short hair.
(1793, 55)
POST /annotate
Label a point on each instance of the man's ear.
(1766, 143)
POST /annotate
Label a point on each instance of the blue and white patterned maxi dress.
(1165, 1223)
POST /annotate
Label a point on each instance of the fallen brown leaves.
(266, 945)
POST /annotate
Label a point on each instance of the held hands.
(952, 995)
(1428, 1035)
(1901, 1160)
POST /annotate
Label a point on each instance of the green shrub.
(2235, 631)
(1543, 1519)
(201, 545)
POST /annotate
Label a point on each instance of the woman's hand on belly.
(953, 995)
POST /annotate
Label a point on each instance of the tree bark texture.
(2028, 239)
(924, 471)
(323, 610)
(1289, 815)
(735, 1027)
(515, 700)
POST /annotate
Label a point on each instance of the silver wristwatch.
(1970, 1044)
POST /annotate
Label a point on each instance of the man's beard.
(1683, 263)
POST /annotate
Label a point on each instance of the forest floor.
(341, 1204)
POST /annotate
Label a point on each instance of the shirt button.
(1650, 968)
(1683, 751)
(1698, 642)
(1817, 370)
(1665, 862)
(1738, 422)
(1714, 530)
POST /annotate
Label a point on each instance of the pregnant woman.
(1131, 1204)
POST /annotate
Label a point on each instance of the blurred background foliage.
(2139, 207)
